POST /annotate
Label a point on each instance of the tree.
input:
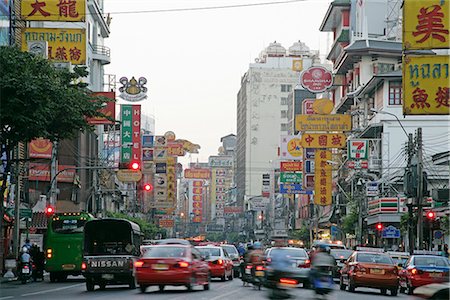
(148, 229)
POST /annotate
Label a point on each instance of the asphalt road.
(74, 288)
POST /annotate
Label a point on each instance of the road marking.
(8, 297)
(52, 290)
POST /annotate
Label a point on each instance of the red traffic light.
(135, 166)
(379, 226)
(431, 215)
(148, 187)
(49, 211)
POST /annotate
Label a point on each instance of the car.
(301, 264)
(340, 255)
(172, 264)
(220, 264)
(423, 269)
(399, 257)
(144, 248)
(370, 269)
(235, 258)
(435, 291)
(330, 244)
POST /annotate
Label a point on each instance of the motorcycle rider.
(321, 258)
(25, 259)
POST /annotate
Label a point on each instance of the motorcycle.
(37, 273)
(259, 274)
(246, 271)
(25, 272)
(279, 287)
(323, 280)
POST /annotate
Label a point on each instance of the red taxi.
(220, 263)
(423, 269)
(370, 269)
(172, 264)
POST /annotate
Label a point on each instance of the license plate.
(108, 276)
(377, 271)
(259, 273)
(435, 274)
(248, 271)
(160, 267)
(25, 271)
(68, 267)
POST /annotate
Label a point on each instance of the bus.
(64, 244)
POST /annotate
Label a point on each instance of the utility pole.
(419, 197)
(53, 174)
(410, 204)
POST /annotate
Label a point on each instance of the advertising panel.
(323, 178)
(109, 110)
(65, 45)
(40, 148)
(292, 188)
(316, 79)
(53, 10)
(291, 166)
(357, 149)
(136, 150)
(175, 149)
(426, 24)
(220, 161)
(291, 147)
(196, 173)
(291, 177)
(41, 172)
(324, 140)
(426, 85)
(323, 122)
(307, 107)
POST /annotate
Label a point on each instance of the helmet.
(257, 245)
(323, 248)
(24, 249)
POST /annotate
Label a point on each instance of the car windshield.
(290, 252)
(165, 252)
(231, 250)
(341, 254)
(209, 251)
(374, 258)
(431, 261)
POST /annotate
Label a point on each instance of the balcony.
(101, 53)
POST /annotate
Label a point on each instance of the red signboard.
(41, 172)
(136, 149)
(307, 107)
(166, 223)
(197, 173)
(232, 209)
(358, 164)
(291, 166)
(316, 79)
(109, 110)
(40, 148)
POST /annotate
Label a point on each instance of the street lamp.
(391, 114)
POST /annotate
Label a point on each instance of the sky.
(194, 60)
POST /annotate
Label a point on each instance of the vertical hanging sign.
(136, 150)
(323, 177)
(125, 133)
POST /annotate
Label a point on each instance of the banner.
(53, 10)
(65, 45)
(40, 148)
(322, 178)
(324, 140)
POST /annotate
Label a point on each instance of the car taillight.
(139, 264)
(183, 264)
(288, 281)
(416, 272)
(49, 253)
(306, 264)
(25, 267)
(248, 267)
(83, 266)
(220, 261)
(259, 268)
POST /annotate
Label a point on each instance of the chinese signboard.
(316, 79)
(53, 10)
(130, 133)
(40, 148)
(109, 110)
(196, 192)
(426, 85)
(357, 149)
(220, 161)
(291, 177)
(66, 45)
(426, 24)
(322, 182)
(323, 123)
(323, 140)
(197, 173)
(291, 147)
(307, 107)
(41, 172)
(291, 166)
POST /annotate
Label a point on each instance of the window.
(284, 101)
(284, 113)
(286, 88)
(395, 93)
(284, 127)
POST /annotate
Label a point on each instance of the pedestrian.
(446, 254)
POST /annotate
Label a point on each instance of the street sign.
(279, 233)
(358, 164)
(23, 212)
(291, 177)
(372, 189)
(292, 188)
(129, 175)
(390, 232)
(309, 166)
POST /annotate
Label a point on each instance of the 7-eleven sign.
(358, 149)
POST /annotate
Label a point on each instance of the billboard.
(324, 140)
(316, 79)
(64, 45)
(40, 148)
(53, 10)
(291, 147)
(323, 122)
(41, 172)
(426, 85)
(357, 149)
(196, 173)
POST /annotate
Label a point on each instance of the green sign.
(126, 133)
(291, 177)
(23, 212)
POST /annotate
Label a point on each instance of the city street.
(75, 289)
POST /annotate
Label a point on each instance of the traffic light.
(260, 217)
(49, 211)
(379, 226)
(135, 166)
(431, 215)
(148, 187)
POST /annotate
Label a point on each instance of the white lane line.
(7, 297)
(53, 290)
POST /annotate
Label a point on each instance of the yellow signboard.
(426, 24)
(426, 85)
(63, 44)
(129, 175)
(324, 140)
(322, 178)
(297, 65)
(53, 10)
(323, 122)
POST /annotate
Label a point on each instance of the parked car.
(301, 265)
(220, 264)
(370, 269)
(423, 269)
(235, 258)
(172, 264)
(341, 256)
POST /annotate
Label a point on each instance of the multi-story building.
(262, 113)
(367, 55)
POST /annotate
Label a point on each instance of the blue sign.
(310, 153)
(293, 188)
(390, 232)
(309, 166)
